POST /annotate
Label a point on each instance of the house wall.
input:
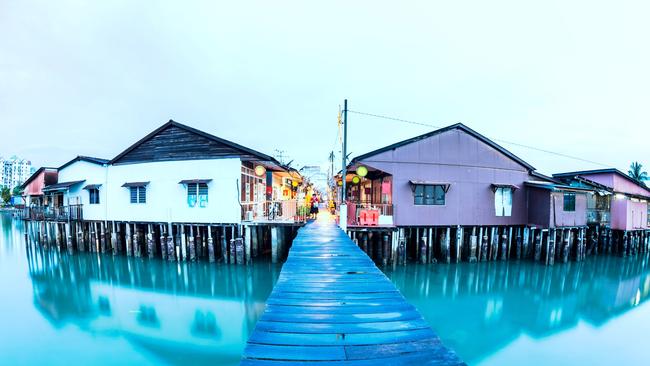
(561, 218)
(539, 203)
(91, 174)
(468, 164)
(629, 215)
(618, 183)
(35, 187)
(623, 185)
(167, 200)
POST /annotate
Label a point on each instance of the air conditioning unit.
(249, 216)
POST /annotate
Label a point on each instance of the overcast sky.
(91, 78)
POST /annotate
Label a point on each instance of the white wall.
(92, 174)
(167, 200)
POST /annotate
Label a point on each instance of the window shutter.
(142, 195)
(507, 202)
(498, 201)
(134, 194)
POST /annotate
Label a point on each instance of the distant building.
(14, 171)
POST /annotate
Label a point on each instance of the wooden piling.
(401, 247)
(423, 246)
(446, 244)
(459, 242)
(192, 244)
(484, 245)
(68, 236)
(248, 243)
(171, 248)
(473, 245)
(211, 256)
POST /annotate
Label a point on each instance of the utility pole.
(343, 208)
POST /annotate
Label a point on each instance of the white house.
(175, 174)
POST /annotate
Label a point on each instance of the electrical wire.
(493, 139)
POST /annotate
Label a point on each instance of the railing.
(598, 216)
(274, 211)
(370, 214)
(47, 213)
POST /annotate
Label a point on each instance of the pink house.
(33, 186)
(625, 198)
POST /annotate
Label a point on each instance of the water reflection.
(197, 313)
(480, 309)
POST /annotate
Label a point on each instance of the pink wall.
(538, 202)
(542, 212)
(469, 165)
(629, 215)
(623, 185)
(625, 214)
(617, 182)
(560, 218)
(35, 187)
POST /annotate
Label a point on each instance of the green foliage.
(636, 172)
(5, 194)
(17, 191)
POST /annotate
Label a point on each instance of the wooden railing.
(47, 213)
(275, 211)
(367, 214)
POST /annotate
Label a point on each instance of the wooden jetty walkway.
(332, 305)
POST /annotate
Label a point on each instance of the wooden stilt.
(163, 241)
(68, 236)
(385, 251)
(211, 256)
(171, 247)
(447, 245)
(484, 245)
(192, 244)
(150, 241)
(274, 244)
(248, 244)
(473, 245)
(183, 243)
(254, 241)
(459, 242)
(401, 247)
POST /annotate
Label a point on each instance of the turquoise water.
(58, 309)
(521, 313)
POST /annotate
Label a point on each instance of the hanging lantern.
(356, 180)
(340, 183)
(260, 170)
(294, 183)
(362, 171)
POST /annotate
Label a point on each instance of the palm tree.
(636, 173)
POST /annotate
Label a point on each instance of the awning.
(135, 184)
(92, 186)
(445, 185)
(197, 181)
(63, 186)
(556, 187)
(503, 185)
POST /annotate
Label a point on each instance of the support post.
(211, 256)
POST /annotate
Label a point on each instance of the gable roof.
(89, 159)
(33, 176)
(234, 149)
(457, 126)
(600, 171)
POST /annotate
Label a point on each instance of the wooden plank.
(331, 304)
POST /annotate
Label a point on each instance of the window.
(197, 193)
(503, 201)
(93, 194)
(569, 202)
(429, 194)
(138, 194)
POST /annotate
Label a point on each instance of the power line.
(494, 139)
